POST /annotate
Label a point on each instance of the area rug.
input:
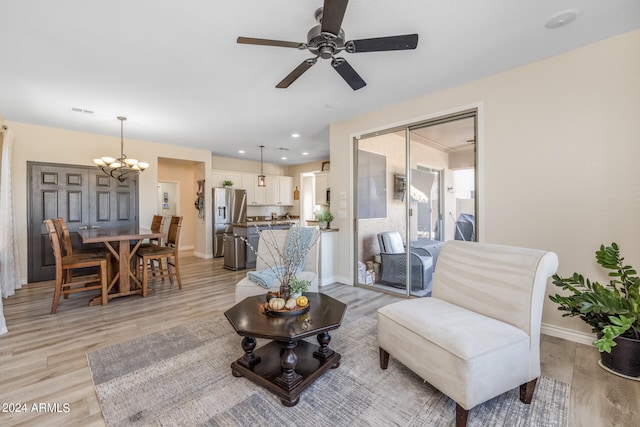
(182, 376)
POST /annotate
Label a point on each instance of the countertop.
(264, 223)
(249, 224)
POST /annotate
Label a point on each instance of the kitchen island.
(250, 231)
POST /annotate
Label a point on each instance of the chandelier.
(123, 167)
(261, 177)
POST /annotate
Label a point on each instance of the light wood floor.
(42, 358)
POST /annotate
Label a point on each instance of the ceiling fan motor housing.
(324, 44)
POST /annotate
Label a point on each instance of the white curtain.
(9, 255)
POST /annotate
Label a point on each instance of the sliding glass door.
(416, 188)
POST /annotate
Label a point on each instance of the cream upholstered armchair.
(246, 288)
(479, 334)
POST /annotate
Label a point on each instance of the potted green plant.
(227, 183)
(612, 310)
(297, 286)
(324, 217)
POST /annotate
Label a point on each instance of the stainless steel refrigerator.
(229, 207)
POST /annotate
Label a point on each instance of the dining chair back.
(157, 225)
(65, 264)
(67, 247)
(168, 251)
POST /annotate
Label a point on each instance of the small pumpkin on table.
(295, 300)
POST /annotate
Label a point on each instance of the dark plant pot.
(624, 357)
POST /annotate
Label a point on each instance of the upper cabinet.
(285, 190)
(259, 194)
(277, 192)
(321, 186)
(217, 177)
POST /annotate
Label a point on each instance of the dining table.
(122, 242)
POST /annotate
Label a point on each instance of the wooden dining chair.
(66, 283)
(168, 251)
(157, 225)
(67, 247)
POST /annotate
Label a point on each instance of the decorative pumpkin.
(276, 303)
(271, 294)
(290, 304)
(302, 301)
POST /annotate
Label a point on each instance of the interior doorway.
(168, 201)
(416, 189)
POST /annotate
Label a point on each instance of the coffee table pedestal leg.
(249, 359)
(324, 352)
(289, 379)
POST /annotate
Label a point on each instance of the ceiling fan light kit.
(327, 39)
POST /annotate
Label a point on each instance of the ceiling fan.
(327, 39)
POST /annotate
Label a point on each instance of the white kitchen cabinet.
(321, 187)
(217, 177)
(259, 194)
(285, 187)
(236, 178)
(272, 192)
(279, 190)
(248, 182)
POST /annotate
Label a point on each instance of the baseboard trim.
(343, 279)
(203, 256)
(567, 334)
(327, 281)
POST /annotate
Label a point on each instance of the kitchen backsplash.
(263, 211)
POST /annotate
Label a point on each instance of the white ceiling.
(175, 70)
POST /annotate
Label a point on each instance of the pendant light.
(261, 177)
(123, 167)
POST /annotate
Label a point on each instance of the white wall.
(44, 144)
(558, 156)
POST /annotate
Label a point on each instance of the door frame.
(474, 110)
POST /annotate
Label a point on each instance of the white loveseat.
(246, 288)
(479, 335)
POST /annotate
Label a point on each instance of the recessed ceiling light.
(295, 135)
(562, 18)
(241, 151)
(305, 154)
(283, 158)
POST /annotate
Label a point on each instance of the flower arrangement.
(283, 262)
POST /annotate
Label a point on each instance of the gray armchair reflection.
(393, 257)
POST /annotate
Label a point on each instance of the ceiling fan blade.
(379, 44)
(347, 72)
(297, 72)
(332, 15)
(267, 42)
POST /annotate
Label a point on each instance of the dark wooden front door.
(84, 197)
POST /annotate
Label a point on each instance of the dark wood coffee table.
(288, 364)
